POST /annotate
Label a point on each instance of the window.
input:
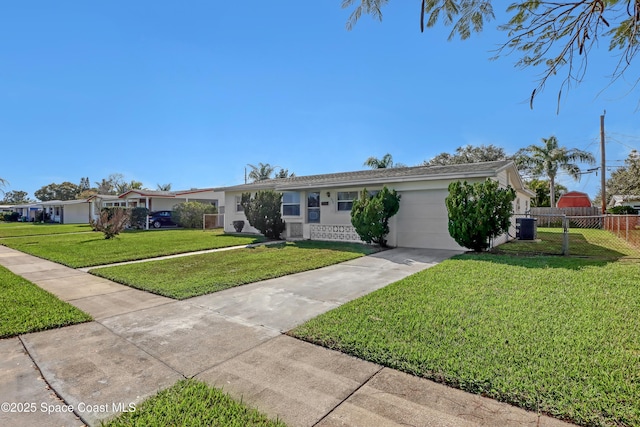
(290, 204)
(345, 200)
(239, 207)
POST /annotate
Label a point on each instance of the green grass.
(187, 277)
(24, 307)
(84, 250)
(582, 242)
(558, 335)
(193, 403)
(18, 229)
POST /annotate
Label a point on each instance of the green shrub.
(139, 217)
(190, 214)
(11, 216)
(263, 212)
(478, 212)
(42, 216)
(370, 214)
(622, 210)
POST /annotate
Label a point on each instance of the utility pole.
(603, 180)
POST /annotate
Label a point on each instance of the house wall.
(204, 196)
(421, 222)
(76, 213)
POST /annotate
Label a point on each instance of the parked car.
(161, 219)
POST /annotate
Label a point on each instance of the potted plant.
(238, 225)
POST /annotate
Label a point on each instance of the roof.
(149, 193)
(102, 196)
(379, 176)
(166, 194)
(618, 199)
(63, 202)
(574, 199)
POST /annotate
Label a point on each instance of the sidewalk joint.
(349, 396)
(47, 384)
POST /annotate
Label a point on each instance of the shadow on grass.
(536, 261)
(333, 246)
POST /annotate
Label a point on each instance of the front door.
(313, 207)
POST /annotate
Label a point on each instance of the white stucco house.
(624, 200)
(27, 211)
(318, 207)
(68, 211)
(157, 200)
(166, 200)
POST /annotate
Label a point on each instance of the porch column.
(146, 202)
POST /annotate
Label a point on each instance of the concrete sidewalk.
(141, 343)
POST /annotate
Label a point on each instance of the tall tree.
(123, 187)
(84, 184)
(383, 163)
(551, 34)
(469, 154)
(3, 182)
(16, 197)
(261, 172)
(625, 181)
(543, 192)
(548, 158)
(284, 173)
(64, 191)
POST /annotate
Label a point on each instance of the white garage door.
(422, 220)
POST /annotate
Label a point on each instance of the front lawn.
(24, 307)
(187, 277)
(550, 334)
(17, 229)
(193, 403)
(84, 250)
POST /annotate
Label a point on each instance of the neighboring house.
(68, 211)
(624, 200)
(156, 200)
(166, 200)
(6, 209)
(318, 207)
(574, 199)
(27, 211)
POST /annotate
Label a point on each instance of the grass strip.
(190, 276)
(20, 229)
(193, 403)
(85, 250)
(24, 307)
(551, 334)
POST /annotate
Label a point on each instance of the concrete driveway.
(141, 343)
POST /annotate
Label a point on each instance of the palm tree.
(261, 172)
(3, 182)
(385, 162)
(548, 158)
(163, 187)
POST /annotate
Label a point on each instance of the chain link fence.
(599, 236)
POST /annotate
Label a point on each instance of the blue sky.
(190, 93)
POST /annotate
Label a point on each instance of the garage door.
(422, 220)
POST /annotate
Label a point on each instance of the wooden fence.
(594, 210)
